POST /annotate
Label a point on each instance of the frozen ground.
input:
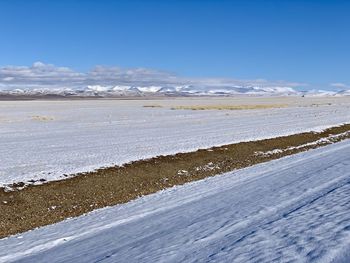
(295, 209)
(46, 139)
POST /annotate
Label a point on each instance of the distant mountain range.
(172, 91)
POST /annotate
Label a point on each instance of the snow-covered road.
(295, 209)
(46, 139)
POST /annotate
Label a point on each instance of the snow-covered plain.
(295, 209)
(46, 139)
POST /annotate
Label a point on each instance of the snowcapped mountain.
(185, 90)
(47, 80)
(326, 93)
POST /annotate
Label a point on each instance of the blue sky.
(296, 41)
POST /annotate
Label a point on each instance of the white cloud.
(340, 85)
(39, 75)
(48, 76)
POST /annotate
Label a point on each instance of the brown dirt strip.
(39, 205)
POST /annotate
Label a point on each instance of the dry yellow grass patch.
(41, 118)
(230, 107)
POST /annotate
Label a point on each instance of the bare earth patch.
(33, 206)
(153, 106)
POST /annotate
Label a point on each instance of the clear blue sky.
(303, 41)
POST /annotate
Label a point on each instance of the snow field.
(47, 139)
(294, 209)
